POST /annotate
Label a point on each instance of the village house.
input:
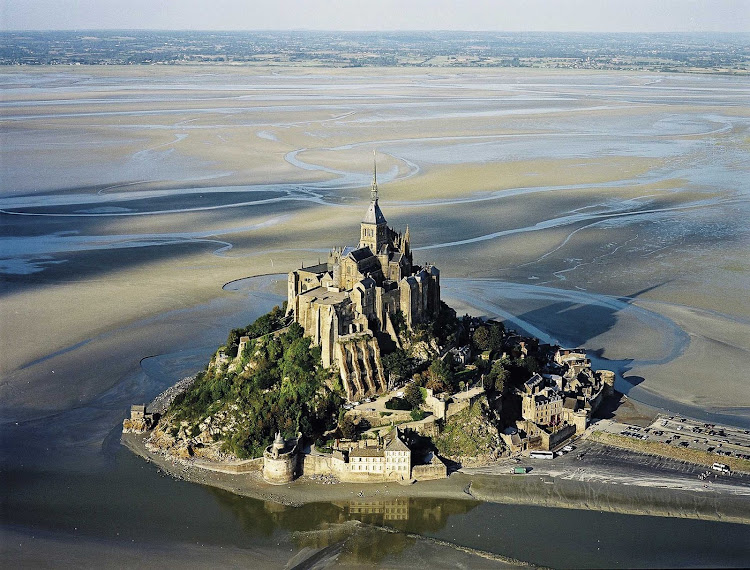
(556, 406)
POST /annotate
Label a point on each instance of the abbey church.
(354, 298)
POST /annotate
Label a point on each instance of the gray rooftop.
(366, 452)
(323, 296)
(374, 215)
(360, 254)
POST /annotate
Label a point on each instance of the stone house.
(541, 404)
(139, 421)
(555, 407)
(362, 461)
(390, 461)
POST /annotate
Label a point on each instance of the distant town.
(667, 52)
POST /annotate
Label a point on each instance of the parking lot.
(591, 461)
(677, 431)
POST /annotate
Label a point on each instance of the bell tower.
(374, 227)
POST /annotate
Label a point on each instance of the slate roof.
(366, 452)
(570, 403)
(360, 254)
(319, 268)
(396, 444)
(374, 215)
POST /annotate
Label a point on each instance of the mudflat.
(599, 209)
(148, 189)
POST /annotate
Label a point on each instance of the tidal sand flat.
(607, 210)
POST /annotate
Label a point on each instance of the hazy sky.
(507, 15)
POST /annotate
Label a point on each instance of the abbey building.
(360, 294)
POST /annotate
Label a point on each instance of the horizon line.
(359, 31)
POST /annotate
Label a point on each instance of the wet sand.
(613, 186)
(605, 210)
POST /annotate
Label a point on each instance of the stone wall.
(235, 467)
(436, 405)
(280, 470)
(322, 464)
(435, 470)
(580, 420)
(376, 420)
(552, 440)
(427, 427)
(281, 465)
(456, 407)
(358, 360)
(135, 426)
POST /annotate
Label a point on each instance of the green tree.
(348, 428)
(497, 377)
(397, 404)
(398, 364)
(481, 338)
(233, 341)
(437, 385)
(399, 321)
(531, 364)
(440, 375)
(496, 336)
(413, 395)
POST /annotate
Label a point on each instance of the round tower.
(280, 461)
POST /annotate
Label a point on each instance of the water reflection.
(358, 530)
(410, 515)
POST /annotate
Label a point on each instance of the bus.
(542, 455)
(721, 468)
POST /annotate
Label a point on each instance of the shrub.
(398, 404)
(348, 428)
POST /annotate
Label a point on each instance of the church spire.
(374, 189)
(374, 227)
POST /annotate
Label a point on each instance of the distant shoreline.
(650, 52)
(543, 491)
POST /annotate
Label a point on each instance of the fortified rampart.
(358, 359)
(435, 469)
(361, 462)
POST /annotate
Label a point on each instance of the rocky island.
(365, 375)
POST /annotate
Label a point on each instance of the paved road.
(606, 464)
